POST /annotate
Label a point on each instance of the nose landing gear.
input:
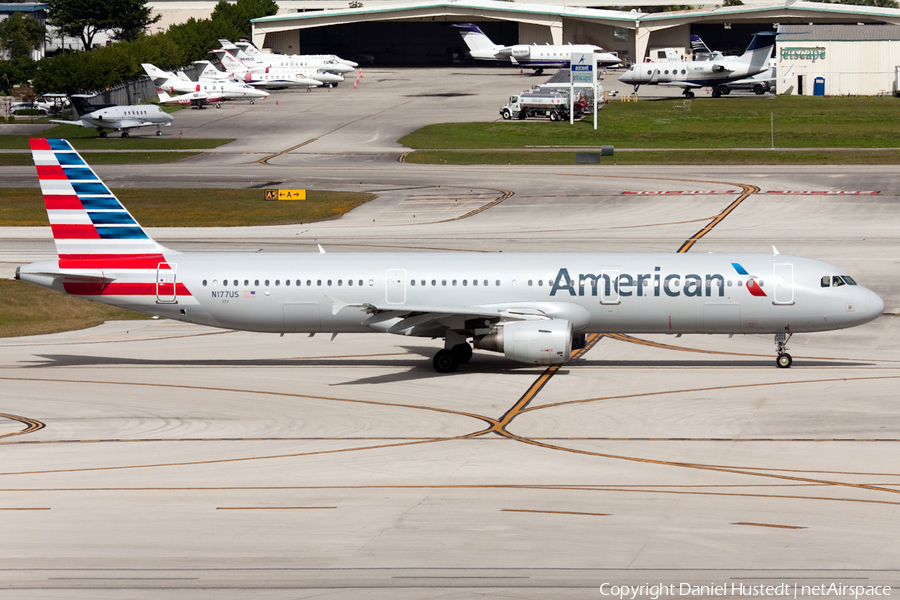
(784, 359)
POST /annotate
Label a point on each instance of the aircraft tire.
(103, 134)
(784, 361)
(158, 132)
(125, 134)
(445, 362)
(689, 95)
(462, 353)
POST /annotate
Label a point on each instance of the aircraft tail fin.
(474, 38)
(248, 48)
(87, 220)
(758, 52)
(229, 62)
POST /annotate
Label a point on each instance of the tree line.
(126, 20)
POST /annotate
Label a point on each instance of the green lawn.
(85, 138)
(29, 310)
(799, 122)
(106, 158)
(664, 157)
(195, 207)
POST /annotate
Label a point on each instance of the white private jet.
(533, 308)
(117, 118)
(248, 54)
(272, 77)
(712, 73)
(532, 56)
(201, 92)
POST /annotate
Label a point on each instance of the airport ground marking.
(769, 525)
(31, 425)
(708, 389)
(556, 512)
(265, 160)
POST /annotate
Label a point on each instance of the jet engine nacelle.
(521, 51)
(534, 342)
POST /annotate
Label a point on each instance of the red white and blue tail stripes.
(86, 217)
(102, 249)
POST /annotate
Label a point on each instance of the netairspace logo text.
(784, 590)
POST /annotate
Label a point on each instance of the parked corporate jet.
(117, 118)
(707, 73)
(198, 93)
(248, 54)
(533, 308)
(532, 56)
(275, 78)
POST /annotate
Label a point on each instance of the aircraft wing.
(680, 84)
(78, 122)
(415, 319)
(129, 123)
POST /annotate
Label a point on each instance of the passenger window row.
(287, 282)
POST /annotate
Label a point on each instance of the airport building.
(419, 33)
(835, 60)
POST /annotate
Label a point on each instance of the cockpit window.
(836, 281)
(826, 281)
(849, 280)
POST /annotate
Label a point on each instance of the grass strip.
(799, 122)
(663, 157)
(85, 138)
(29, 310)
(106, 158)
(161, 207)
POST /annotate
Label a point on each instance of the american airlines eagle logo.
(754, 288)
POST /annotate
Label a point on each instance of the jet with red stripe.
(533, 308)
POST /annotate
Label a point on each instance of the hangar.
(418, 33)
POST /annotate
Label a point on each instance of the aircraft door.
(165, 283)
(395, 286)
(784, 283)
(609, 287)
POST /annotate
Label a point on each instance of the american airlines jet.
(533, 308)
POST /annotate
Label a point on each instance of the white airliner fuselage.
(530, 307)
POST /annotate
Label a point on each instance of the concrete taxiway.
(158, 459)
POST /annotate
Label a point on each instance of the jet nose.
(874, 305)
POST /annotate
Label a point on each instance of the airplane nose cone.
(874, 305)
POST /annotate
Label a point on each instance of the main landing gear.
(688, 94)
(784, 359)
(449, 359)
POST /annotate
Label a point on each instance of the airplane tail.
(229, 62)
(698, 46)
(474, 38)
(758, 52)
(103, 254)
(210, 71)
(248, 48)
(183, 76)
(157, 74)
(163, 96)
(87, 220)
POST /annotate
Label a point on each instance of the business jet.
(713, 73)
(201, 92)
(116, 118)
(252, 50)
(532, 56)
(533, 308)
(271, 77)
(248, 54)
